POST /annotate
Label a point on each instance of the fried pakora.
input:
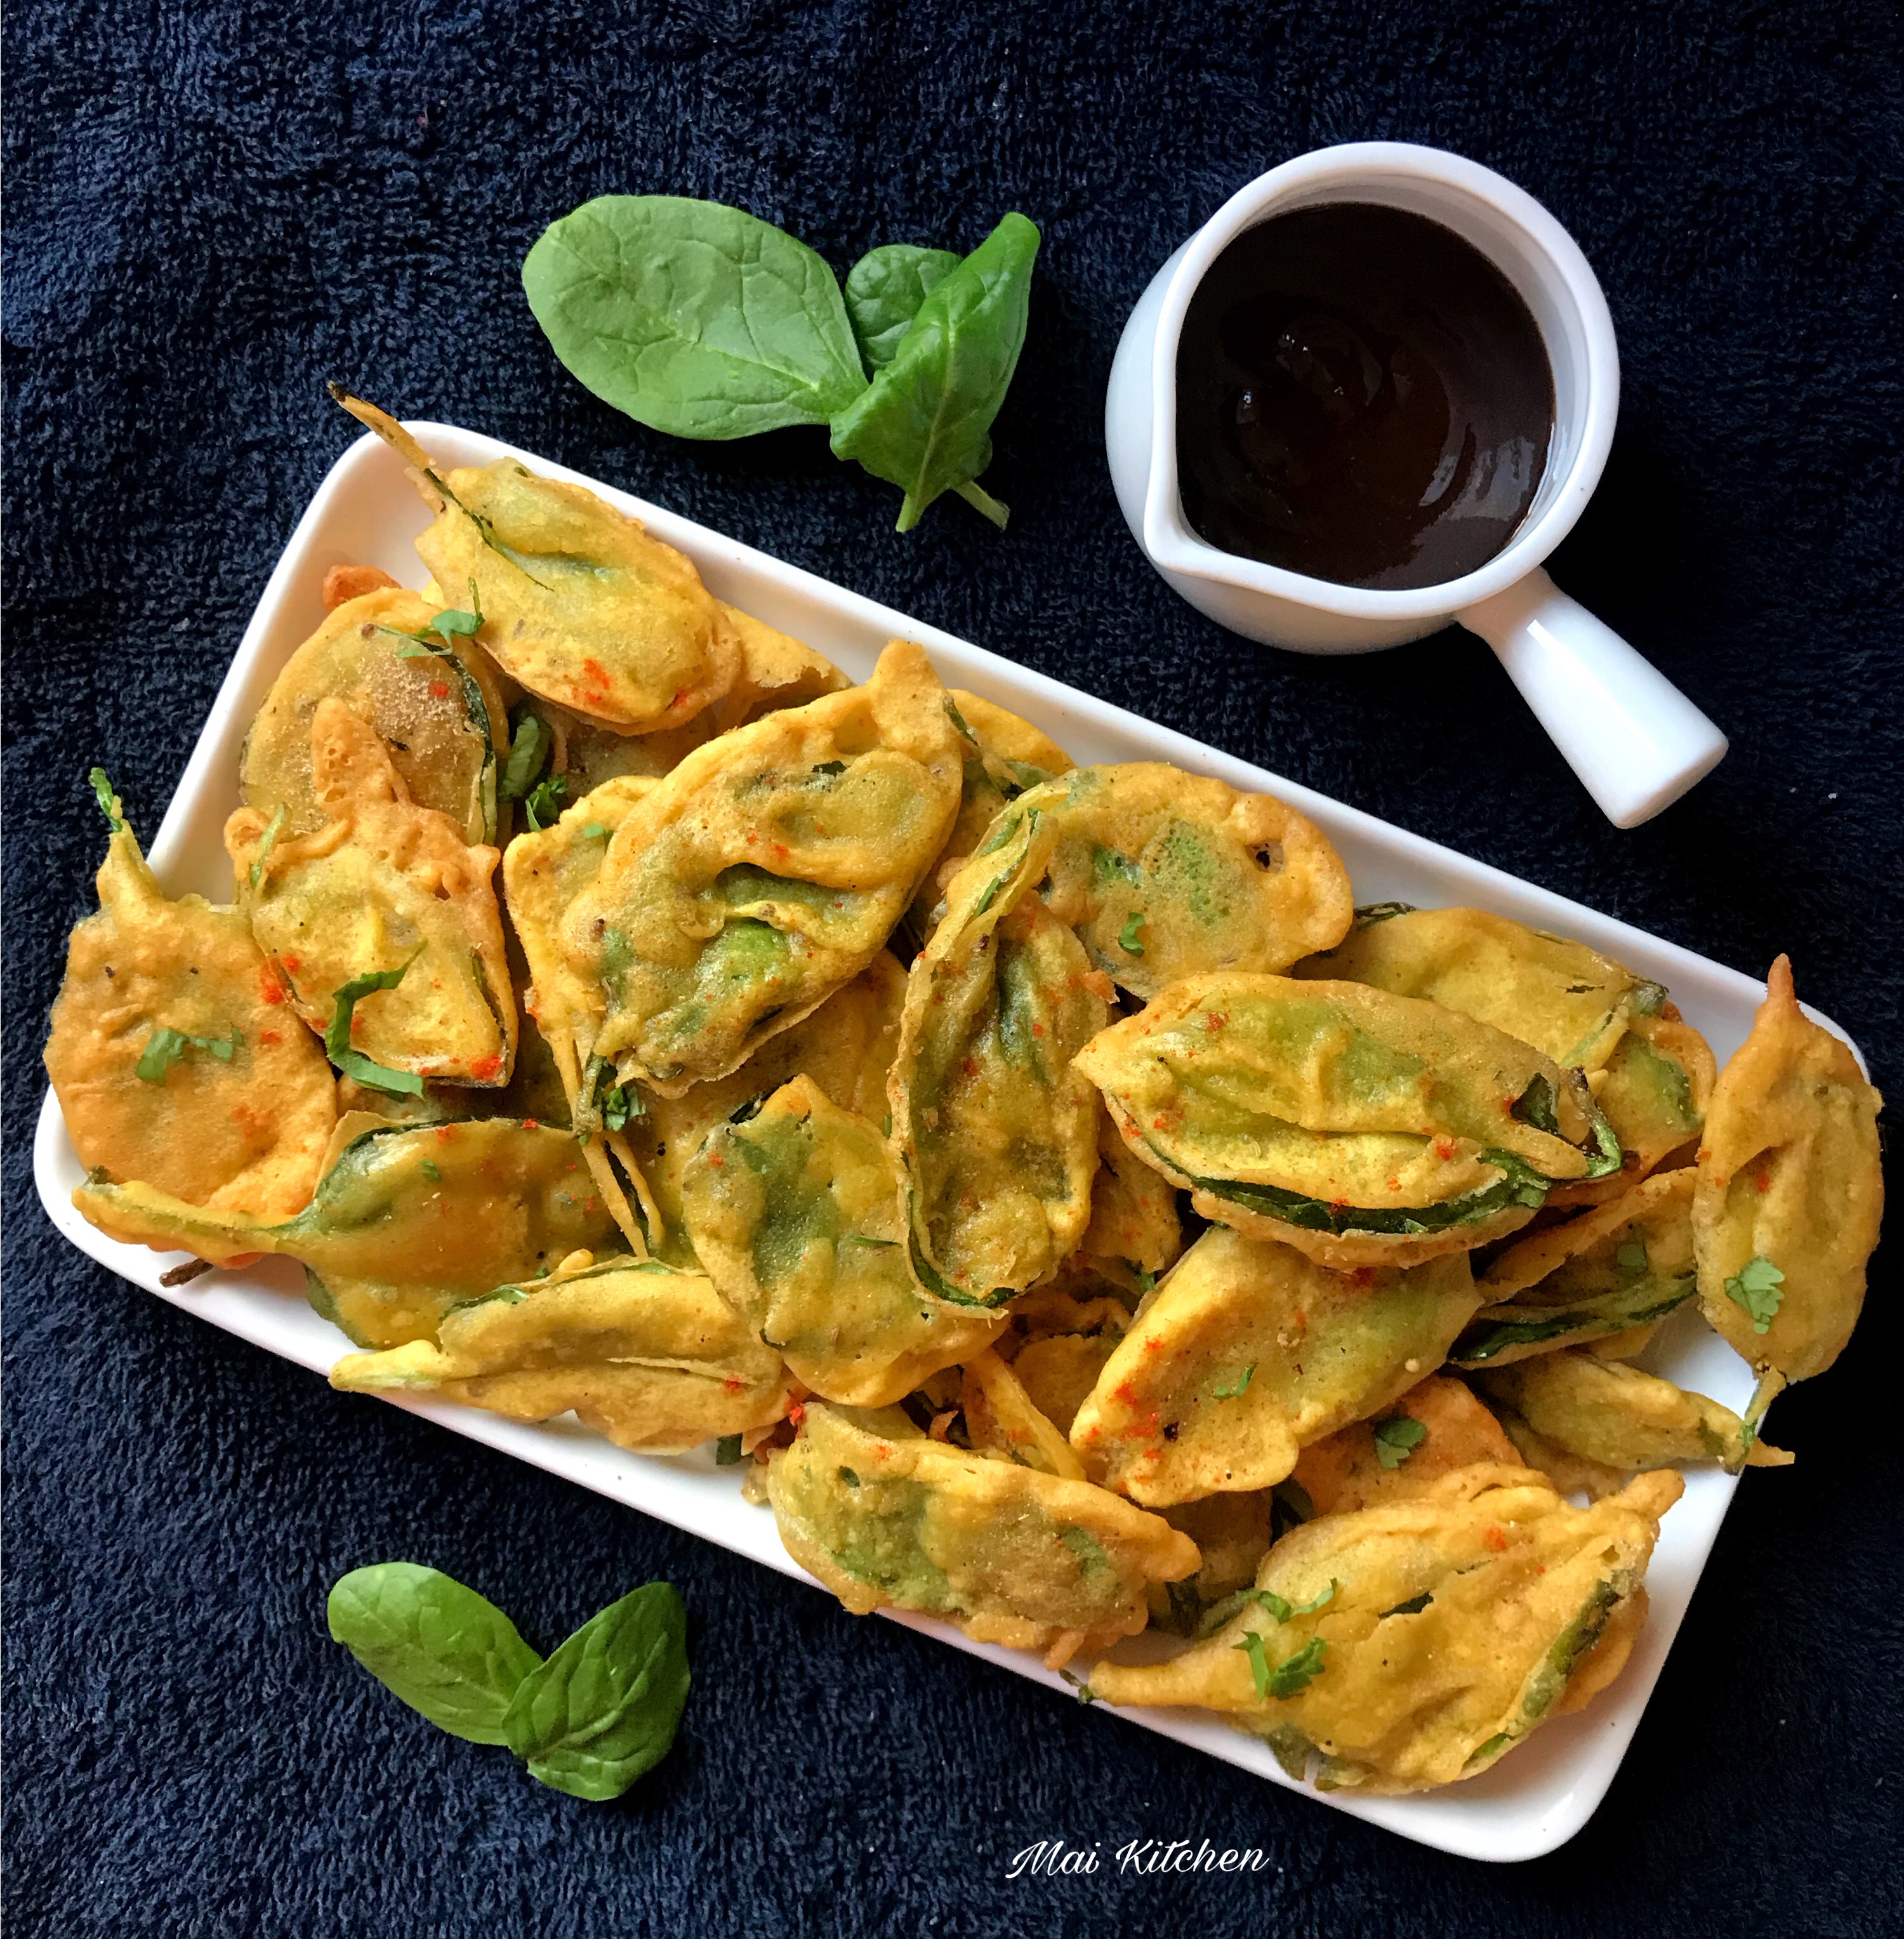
(174, 1054)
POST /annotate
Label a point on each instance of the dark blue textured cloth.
(212, 208)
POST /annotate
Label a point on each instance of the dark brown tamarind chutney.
(1361, 396)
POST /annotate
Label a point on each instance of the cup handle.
(1635, 740)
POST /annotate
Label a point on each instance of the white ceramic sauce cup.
(1634, 740)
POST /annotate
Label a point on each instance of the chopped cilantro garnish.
(337, 1039)
(1757, 1286)
(448, 625)
(1242, 1381)
(1296, 1672)
(108, 802)
(1286, 1678)
(1127, 936)
(1145, 1279)
(165, 1047)
(1398, 1438)
(465, 625)
(1282, 1608)
(431, 1170)
(543, 802)
(594, 831)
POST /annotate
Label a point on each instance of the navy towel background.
(212, 208)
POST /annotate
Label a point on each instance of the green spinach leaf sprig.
(703, 321)
(587, 1720)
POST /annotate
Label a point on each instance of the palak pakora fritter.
(1068, 1213)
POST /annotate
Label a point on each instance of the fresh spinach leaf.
(442, 1649)
(727, 1451)
(337, 1038)
(925, 424)
(603, 1708)
(694, 317)
(883, 291)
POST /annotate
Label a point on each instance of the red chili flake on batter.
(270, 1036)
(439, 690)
(970, 1066)
(1216, 1021)
(592, 1205)
(445, 1133)
(1444, 1148)
(487, 1066)
(290, 964)
(269, 989)
(714, 1159)
(733, 1383)
(531, 1125)
(796, 1413)
(1764, 1181)
(1496, 1539)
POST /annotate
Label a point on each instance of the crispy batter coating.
(765, 871)
(382, 884)
(1789, 1173)
(1615, 1415)
(996, 1129)
(1624, 1264)
(1361, 1128)
(646, 1355)
(579, 603)
(883, 1515)
(407, 1221)
(845, 1047)
(1163, 874)
(1135, 1235)
(1654, 1089)
(1424, 1637)
(1003, 757)
(795, 1213)
(1346, 1471)
(1564, 999)
(1250, 1352)
(543, 872)
(440, 714)
(239, 1127)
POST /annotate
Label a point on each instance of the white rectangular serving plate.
(366, 512)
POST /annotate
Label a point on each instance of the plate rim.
(1455, 1819)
